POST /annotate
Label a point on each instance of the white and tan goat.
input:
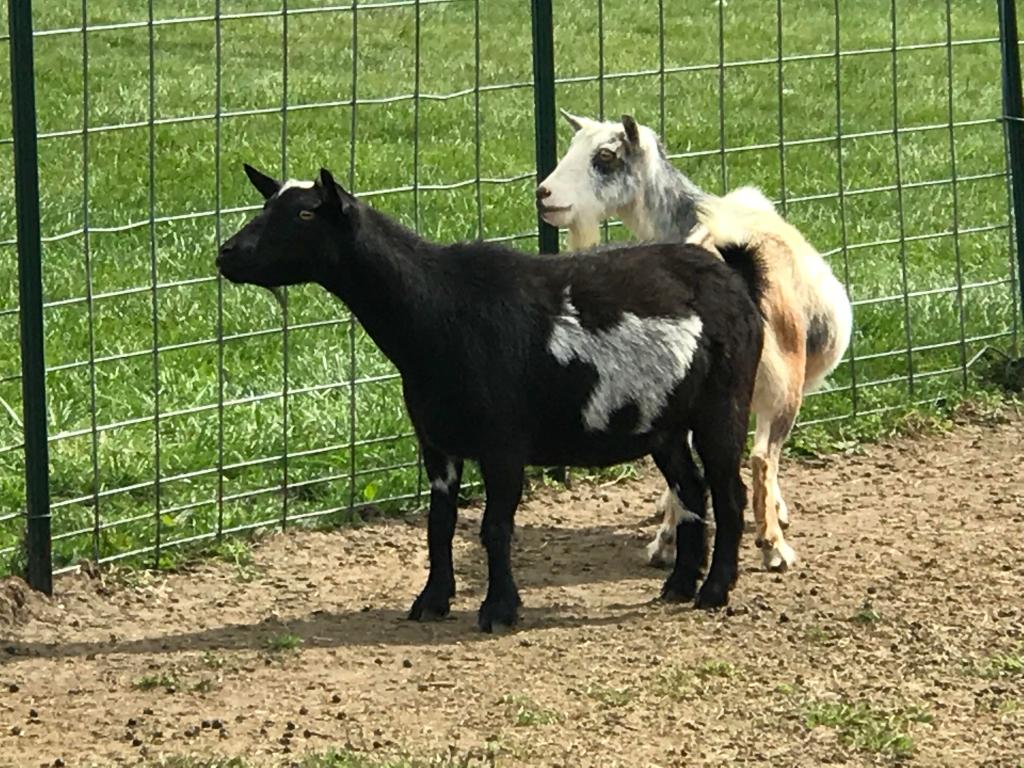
(619, 169)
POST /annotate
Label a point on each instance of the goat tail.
(745, 259)
(737, 216)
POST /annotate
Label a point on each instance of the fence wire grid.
(181, 408)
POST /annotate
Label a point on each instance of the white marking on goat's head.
(600, 175)
(270, 187)
(295, 184)
(639, 362)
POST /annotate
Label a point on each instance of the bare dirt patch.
(899, 636)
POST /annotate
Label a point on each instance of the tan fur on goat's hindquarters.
(801, 287)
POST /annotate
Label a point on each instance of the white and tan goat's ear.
(632, 130)
(575, 121)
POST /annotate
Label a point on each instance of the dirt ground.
(899, 636)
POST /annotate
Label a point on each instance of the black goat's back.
(559, 358)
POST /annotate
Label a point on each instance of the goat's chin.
(275, 288)
(558, 218)
(232, 277)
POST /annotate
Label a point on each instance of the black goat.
(512, 360)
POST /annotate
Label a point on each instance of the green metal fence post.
(544, 128)
(544, 108)
(1013, 121)
(30, 296)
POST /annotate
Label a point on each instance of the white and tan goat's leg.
(781, 427)
(782, 508)
(759, 479)
(781, 430)
(661, 552)
(778, 555)
(768, 504)
(777, 397)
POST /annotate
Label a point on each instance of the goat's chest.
(451, 418)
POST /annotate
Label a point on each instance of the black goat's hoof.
(678, 590)
(497, 614)
(712, 595)
(431, 605)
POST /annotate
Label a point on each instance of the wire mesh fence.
(180, 408)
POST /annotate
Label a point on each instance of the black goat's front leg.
(503, 483)
(445, 474)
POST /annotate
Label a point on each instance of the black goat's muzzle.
(228, 266)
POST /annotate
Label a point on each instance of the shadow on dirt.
(544, 557)
(323, 629)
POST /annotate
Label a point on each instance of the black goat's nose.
(543, 193)
(225, 250)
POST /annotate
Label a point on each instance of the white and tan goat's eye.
(306, 215)
(606, 155)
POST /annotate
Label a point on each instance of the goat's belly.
(593, 450)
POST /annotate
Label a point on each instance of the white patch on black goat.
(639, 361)
(444, 484)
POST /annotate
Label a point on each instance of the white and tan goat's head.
(600, 176)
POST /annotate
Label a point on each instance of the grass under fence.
(133, 209)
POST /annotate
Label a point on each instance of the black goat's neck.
(385, 281)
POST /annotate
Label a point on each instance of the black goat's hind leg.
(720, 444)
(445, 476)
(686, 483)
(503, 483)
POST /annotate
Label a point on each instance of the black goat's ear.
(267, 186)
(632, 130)
(334, 195)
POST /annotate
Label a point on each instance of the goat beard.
(584, 235)
(282, 297)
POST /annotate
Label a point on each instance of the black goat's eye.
(605, 155)
(306, 215)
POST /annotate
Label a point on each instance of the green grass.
(284, 642)
(173, 681)
(166, 681)
(681, 683)
(609, 697)
(711, 669)
(348, 759)
(866, 728)
(237, 553)
(199, 762)
(523, 712)
(321, 350)
(866, 615)
(1008, 665)
(329, 759)
(1002, 665)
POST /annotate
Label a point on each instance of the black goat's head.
(298, 235)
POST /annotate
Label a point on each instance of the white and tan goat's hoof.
(661, 552)
(778, 557)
